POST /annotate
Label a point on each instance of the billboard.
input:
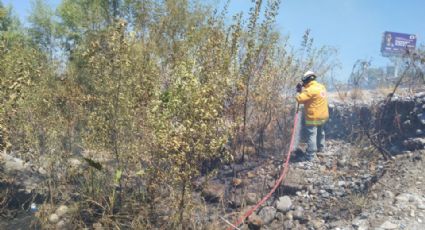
(396, 44)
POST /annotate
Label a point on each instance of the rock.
(254, 222)
(276, 224)
(414, 143)
(389, 225)
(288, 224)
(270, 184)
(11, 164)
(324, 193)
(42, 171)
(61, 225)
(280, 216)
(53, 218)
(337, 225)
(251, 175)
(404, 197)
(318, 224)
(290, 215)
(388, 194)
(299, 213)
(360, 224)
(407, 124)
(267, 214)
(341, 183)
(341, 162)
(213, 192)
(355, 164)
(98, 226)
(236, 201)
(251, 198)
(62, 210)
(419, 95)
(415, 198)
(329, 164)
(284, 204)
(364, 215)
(420, 206)
(74, 162)
(312, 191)
(421, 118)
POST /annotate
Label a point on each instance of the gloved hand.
(299, 87)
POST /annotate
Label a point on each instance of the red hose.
(278, 182)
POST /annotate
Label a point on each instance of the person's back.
(314, 98)
(315, 103)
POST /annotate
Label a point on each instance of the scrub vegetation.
(148, 95)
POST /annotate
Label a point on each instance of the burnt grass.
(363, 141)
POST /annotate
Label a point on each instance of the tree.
(158, 89)
(42, 26)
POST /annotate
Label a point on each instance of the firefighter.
(314, 99)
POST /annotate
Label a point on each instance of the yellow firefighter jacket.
(315, 103)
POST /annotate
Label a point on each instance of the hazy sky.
(354, 27)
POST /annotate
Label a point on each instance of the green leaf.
(118, 175)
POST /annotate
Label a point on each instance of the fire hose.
(278, 181)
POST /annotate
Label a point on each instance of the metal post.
(396, 67)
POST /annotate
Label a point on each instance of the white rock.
(53, 218)
(299, 213)
(289, 215)
(318, 224)
(360, 224)
(61, 225)
(388, 225)
(404, 197)
(12, 163)
(42, 171)
(389, 194)
(284, 204)
(74, 162)
(62, 210)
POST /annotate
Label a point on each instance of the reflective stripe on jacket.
(315, 102)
